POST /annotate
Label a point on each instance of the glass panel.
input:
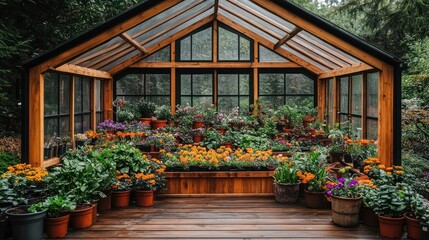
(185, 100)
(228, 84)
(372, 94)
(64, 126)
(78, 124)
(159, 100)
(372, 129)
(228, 45)
(86, 124)
(185, 84)
(202, 101)
(114, 42)
(225, 104)
(344, 95)
(162, 55)
(308, 59)
(266, 55)
(99, 118)
(244, 84)
(299, 84)
(244, 104)
(272, 101)
(86, 94)
(357, 126)
(300, 101)
(157, 84)
(118, 60)
(51, 127)
(131, 84)
(185, 49)
(78, 95)
(357, 94)
(330, 102)
(51, 94)
(98, 95)
(202, 84)
(343, 118)
(64, 94)
(244, 49)
(271, 83)
(130, 99)
(202, 45)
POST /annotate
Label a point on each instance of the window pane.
(271, 83)
(51, 94)
(228, 84)
(228, 45)
(86, 94)
(185, 49)
(244, 84)
(330, 102)
(98, 95)
(225, 104)
(99, 118)
(158, 100)
(202, 45)
(158, 84)
(344, 96)
(372, 129)
(357, 94)
(266, 55)
(185, 85)
(51, 127)
(203, 101)
(372, 93)
(202, 84)
(131, 84)
(185, 100)
(244, 49)
(64, 126)
(78, 124)
(299, 84)
(86, 124)
(357, 126)
(64, 94)
(272, 101)
(244, 104)
(300, 101)
(343, 118)
(78, 95)
(162, 55)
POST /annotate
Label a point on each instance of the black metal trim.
(25, 142)
(397, 127)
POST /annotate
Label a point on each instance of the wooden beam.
(215, 42)
(345, 71)
(161, 44)
(385, 115)
(216, 8)
(255, 71)
(321, 98)
(133, 43)
(336, 99)
(215, 65)
(269, 44)
(72, 93)
(108, 99)
(75, 69)
(66, 56)
(287, 37)
(93, 107)
(320, 33)
(50, 162)
(36, 116)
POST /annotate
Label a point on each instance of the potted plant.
(26, 224)
(392, 201)
(346, 201)
(146, 111)
(369, 201)
(418, 214)
(309, 115)
(336, 151)
(197, 134)
(162, 115)
(57, 214)
(121, 190)
(144, 186)
(286, 182)
(80, 140)
(221, 123)
(314, 195)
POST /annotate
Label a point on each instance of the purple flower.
(340, 185)
(352, 183)
(330, 186)
(426, 175)
(329, 193)
(341, 180)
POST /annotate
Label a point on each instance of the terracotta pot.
(315, 200)
(94, 212)
(286, 193)
(196, 125)
(197, 139)
(414, 229)
(144, 198)
(156, 124)
(345, 211)
(57, 227)
(105, 204)
(81, 217)
(228, 145)
(368, 217)
(121, 198)
(391, 227)
(146, 121)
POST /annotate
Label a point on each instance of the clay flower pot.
(144, 198)
(121, 198)
(414, 229)
(57, 227)
(81, 217)
(314, 200)
(391, 227)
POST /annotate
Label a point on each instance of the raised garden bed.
(231, 183)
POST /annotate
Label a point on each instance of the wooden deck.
(219, 218)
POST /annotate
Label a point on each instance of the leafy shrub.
(7, 159)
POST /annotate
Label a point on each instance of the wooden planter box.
(232, 183)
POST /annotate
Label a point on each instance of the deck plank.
(219, 218)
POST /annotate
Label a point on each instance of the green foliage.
(145, 108)
(163, 113)
(286, 173)
(9, 195)
(6, 160)
(128, 159)
(370, 196)
(393, 200)
(213, 139)
(418, 208)
(54, 206)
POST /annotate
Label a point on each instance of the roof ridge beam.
(287, 37)
(216, 8)
(133, 43)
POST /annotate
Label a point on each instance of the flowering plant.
(123, 182)
(286, 173)
(344, 187)
(110, 125)
(143, 181)
(80, 137)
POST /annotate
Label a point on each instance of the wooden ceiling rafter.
(133, 43)
(162, 44)
(216, 8)
(287, 37)
(214, 65)
(75, 69)
(285, 29)
(320, 33)
(277, 36)
(268, 44)
(346, 71)
(127, 51)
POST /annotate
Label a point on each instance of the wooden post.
(108, 99)
(321, 97)
(255, 70)
(385, 115)
(336, 99)
(72, 90)
(36, 117)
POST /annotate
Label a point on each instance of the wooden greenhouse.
(180, 44)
